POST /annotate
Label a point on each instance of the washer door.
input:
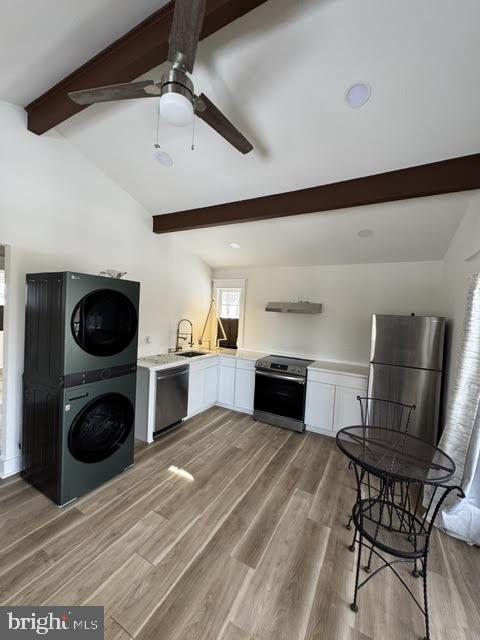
(101, 428)
(104, 322)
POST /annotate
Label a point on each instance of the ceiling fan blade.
(186, 27)
(209, 113)
(126, 91)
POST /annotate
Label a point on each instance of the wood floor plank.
(330, 614)
(312, 459)
(253, 548)
(20, 522)
(93, 535)
(333, 500)
(21, 550)
(252, 545)
(173, 564)
(17, 499)
(232, 632)
(84, 583)
(279, 596)
(113, 631)
(197, 606)
(127, 582)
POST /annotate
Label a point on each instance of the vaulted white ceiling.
(42, 41)
(280, 73)
(406, 231)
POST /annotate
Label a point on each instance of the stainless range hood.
(310, 308)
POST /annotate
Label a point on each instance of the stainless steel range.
(280, 386)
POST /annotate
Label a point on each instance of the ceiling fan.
(178, 102)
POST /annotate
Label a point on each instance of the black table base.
(391, 521)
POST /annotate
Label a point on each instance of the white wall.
(59, 212)
(350, 295)
(461, 261)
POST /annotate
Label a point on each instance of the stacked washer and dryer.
(81, 337)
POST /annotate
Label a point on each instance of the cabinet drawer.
(338, 379)
(226, 361)
(202, 363)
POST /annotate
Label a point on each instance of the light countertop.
(168, 360)
(340, 367)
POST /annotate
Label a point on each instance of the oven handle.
(280, 377)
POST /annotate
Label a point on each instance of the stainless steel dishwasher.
(171, 399)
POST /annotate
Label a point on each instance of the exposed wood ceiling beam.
(132, 55)
(447, 176)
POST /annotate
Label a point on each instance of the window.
(228, 303)
(229, 296)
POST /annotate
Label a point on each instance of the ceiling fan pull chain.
(193, 134)
(158, 123)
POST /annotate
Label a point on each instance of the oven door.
(280, 395)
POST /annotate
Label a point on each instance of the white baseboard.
(10, 467)
(322, 432)
(238, 409)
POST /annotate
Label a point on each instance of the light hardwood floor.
(228, 529)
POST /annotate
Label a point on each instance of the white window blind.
(2, 288)
(229, 303)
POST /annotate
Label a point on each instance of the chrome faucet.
(184, 336)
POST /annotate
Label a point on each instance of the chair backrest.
(388, 414)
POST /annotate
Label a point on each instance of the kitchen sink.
(189, 354)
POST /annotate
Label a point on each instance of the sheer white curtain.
(461, 437)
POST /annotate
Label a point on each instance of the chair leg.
(354, 606)
(416, 573)
(349, 524)
(368, 566)
(425, 598)
(352, 546)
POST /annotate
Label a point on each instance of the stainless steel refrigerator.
(406, 365)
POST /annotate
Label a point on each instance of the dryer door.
(104, 322)
(101, 428)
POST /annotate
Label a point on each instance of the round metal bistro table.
(402, 482)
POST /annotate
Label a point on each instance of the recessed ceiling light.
(358, 94)
(234, 245)
(365, 233)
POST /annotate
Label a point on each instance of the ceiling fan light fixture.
(176, 109)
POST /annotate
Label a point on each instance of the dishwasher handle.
(172, 373)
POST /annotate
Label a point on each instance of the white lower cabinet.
(195, 390)
(320, 405)
(331, 400)
(347, 408)
(244, 389)
(226, 385)
(210, 390)
(202, 385)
